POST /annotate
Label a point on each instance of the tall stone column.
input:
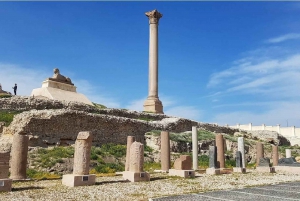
(275, 155)
(241, 148)
(19, 152)
(220, 151)
(195, 147)
(153, 104)
(259, 152)
(165, 151)
(130, 140)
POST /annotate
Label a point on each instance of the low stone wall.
(26, 103)
(57, 127)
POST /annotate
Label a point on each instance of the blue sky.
(219, 62)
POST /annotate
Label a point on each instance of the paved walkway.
(279, 192)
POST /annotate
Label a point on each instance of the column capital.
(153, 16)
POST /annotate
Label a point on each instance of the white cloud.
(285, 37)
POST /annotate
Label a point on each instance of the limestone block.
(136, 157)
(182, 173)
(136, 176)
(78, 180)
(265, 169)
(239, 170)
(5, 185)
(213, 171)
(184, 162)
(58, 85)
(289, 169)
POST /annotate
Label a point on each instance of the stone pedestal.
(220, 151)
(153, 104)
(195, 147)
(130, 140)
(239, 170)
(265, 169)
(259, 152)
(275, 155)
(288, 153)
(19, 152)
(59, 91)
(73, 180)
(80, 176)
(136, 176)
(5, 185)
(182, 173)
(213, 171)
(165, 151)
(289, 169)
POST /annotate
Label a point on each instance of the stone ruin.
(182, 167)
(5, 182)
(2, 92)
(81, 176)
(136, 161)
(59, 87)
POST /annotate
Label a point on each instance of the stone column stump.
(5, 182)
(130, 140)
(81, 176)
(19, 152)
(195, 147)
(262, 163)
(182, 167)
(239, 163)
(275, 157)
(213, 167)
(136, 172)
(165, 157)
(288, 153)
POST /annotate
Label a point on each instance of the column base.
(153, 105)
(290, 169)
(239, 170)
(213, 171)
(182, 173)
(73, 180)
(5, 185)
(136, 176)
(265, 169)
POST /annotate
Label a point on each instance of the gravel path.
(115, 188)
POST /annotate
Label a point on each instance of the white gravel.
(115, 188)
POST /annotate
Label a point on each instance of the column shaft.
(153, 61)
(165, 151)
(220, 151)
(275, 155)
(195, 147)
(130, 140)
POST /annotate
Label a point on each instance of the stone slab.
(265, 169)
(182, 173)
(58, 85)
(289, 169)
(78, 180)
(213, 171)
(5, 185)
(59, 94)
(239, 170)
(136, 176)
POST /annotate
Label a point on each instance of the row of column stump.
(184, 166)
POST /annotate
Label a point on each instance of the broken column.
(262, 163)
(130, 140)
(182, 167)
(19, 152)
(259, 152)
(136, 172)
(275, 155)
(195, 147)
(220, 151)
(213, 167)
(288, 153)
(81, 176)
(5, 182)
(239, 163)
(165, 151)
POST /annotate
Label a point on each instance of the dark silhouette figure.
(15, 89)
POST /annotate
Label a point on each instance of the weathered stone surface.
(184, 162)
(259, 152)
(4, 165)
(264, 162)
(82, 153)
(165, 151)
(60, 78)
(220, 151)
(241, 149)
(288, 153)
(136, 157)
(212, 157)
(288, 162)
(130, 140)
(195, 147)
(238, 159)
(275, 155)
(19, 154)
(270, 136)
